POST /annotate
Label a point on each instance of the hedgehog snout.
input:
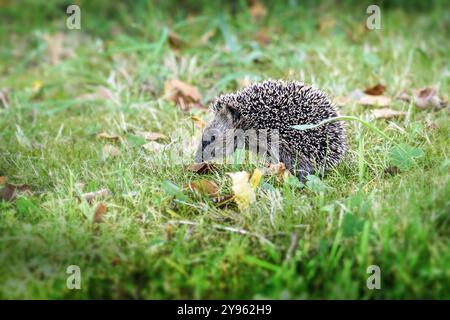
(213, 136)
(206, 147)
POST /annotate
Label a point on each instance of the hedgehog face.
(214, 134)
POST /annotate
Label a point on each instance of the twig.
(292, 247)
(231, 229)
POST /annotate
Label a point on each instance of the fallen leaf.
(151, 136)
(11, 191)
(244, 194)
(378, 101)
(185, 95)
(403, 96)
(153, 146)
(204, 186)
(91, 196)
(256, 178)
(175, 41)
(110, 151)
(199, 122)
(107, 136)
(428, 98)
(201, 168)
(277, 170)
(341, 101)
(4, 98)
(3, 180)
(376, 90)
(386, 113)
(100, 210)
(257, 10)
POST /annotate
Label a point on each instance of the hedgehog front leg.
(296, 163)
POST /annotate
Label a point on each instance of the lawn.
(74, 104)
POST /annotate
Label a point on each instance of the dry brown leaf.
(428, 98)
(277, 170)
(182, 93)
(403, 96)
(386, 113)
(107, 136)
(100, 210)
(257, 10)
(204, 186)
(11, 191)
(3, 180)
(201, 168)
(151, 136)
(341, 101)
(91, 196)
(199, 122)
(175, 41)
(378, 101)
(376, 90)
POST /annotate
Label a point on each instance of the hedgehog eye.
(206, 143)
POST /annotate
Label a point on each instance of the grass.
(152, 244)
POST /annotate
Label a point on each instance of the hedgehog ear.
(233, 112)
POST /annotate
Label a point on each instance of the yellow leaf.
(198, 121)
(242, 189)
(36, 86)
(256, 178)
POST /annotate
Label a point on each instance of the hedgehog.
(279, 105)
